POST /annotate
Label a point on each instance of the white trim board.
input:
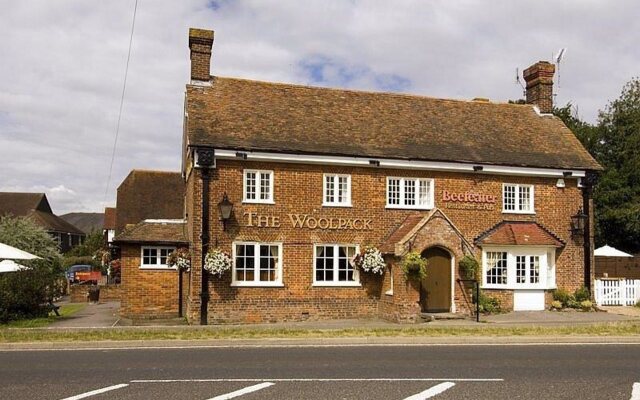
(399, 164)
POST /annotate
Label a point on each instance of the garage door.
(528, 300)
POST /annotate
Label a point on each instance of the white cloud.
(63, 63)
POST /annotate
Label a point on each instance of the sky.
(62, 67)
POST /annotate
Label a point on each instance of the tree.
(615, 143)
(23, 293)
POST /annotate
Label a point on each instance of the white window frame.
(547, 268)
(258, 188)
(347, 201)
(256, 282)
(402, 193)
(157, 265)
(335, 282)
(517, 204)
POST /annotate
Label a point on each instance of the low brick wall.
(78, 293)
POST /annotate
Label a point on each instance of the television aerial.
(558, 58)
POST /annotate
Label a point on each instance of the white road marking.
(635, 392)
(432, 391)
(97, 391)
(320, 380)
(243, 391)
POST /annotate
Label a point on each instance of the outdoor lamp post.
(225, 207)
(577, 223)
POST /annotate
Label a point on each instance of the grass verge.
(65, 311)
(197, 333)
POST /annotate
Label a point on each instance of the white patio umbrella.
(10, 266)
(11, 253)
(608, 251)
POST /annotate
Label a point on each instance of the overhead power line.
(124, 88)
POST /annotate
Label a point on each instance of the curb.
(326, 342)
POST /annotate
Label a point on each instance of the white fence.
(617, 292)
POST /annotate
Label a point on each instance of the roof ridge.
(363, 91)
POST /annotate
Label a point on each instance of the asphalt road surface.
(331, 372)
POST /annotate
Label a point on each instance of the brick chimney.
(539, 79)
(200, 43)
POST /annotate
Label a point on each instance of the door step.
(428, 317)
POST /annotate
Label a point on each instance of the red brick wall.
(146, 293)
(298, 189)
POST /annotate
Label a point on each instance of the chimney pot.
(539, 79)
(200, 44)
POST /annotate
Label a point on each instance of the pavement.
(409, 372)
(94, 315)
(105, 315)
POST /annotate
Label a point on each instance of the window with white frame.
(257, 264)
(337, 190)
(409, 193)
(155, 257)
(517, 198)
(519, 267)
(332, 265)
(258, 186)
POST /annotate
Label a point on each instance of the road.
(329, 372)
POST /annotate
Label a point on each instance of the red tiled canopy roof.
(519, 233)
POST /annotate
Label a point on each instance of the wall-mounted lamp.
(478, 168)
(225, 207)
(241, 155)
(375, 163)
(577, 223)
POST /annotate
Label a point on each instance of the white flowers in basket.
(217, 262)
(371, 261)
(180, 258)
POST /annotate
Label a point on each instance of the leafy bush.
(586, 305)
(24, 293)
(563, 297)
(469, 266)
(414, 266)
(581, 294)
(638, 304)
(488, 304)
(556, 305)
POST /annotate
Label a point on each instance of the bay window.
(518, 267)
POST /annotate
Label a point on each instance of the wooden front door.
(435, 293)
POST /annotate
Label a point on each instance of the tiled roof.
(147, 195)
(519, 233)
(21, 204)
(239, 114)
(85, 221)
(154, 232)
(52, 222)
(109, 218)
(35, 206)
(389, 244)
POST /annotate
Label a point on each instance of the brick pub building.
(315, 175)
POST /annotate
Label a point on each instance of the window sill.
(512, 287)
(157, 268)
(257, 284)
(396, 207)
(345, 205)
(336, 284)
(519, 212)
(258, 202)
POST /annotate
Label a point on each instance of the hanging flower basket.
(217, 262)
(180, 258)
(414, 266)
(370, 260)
